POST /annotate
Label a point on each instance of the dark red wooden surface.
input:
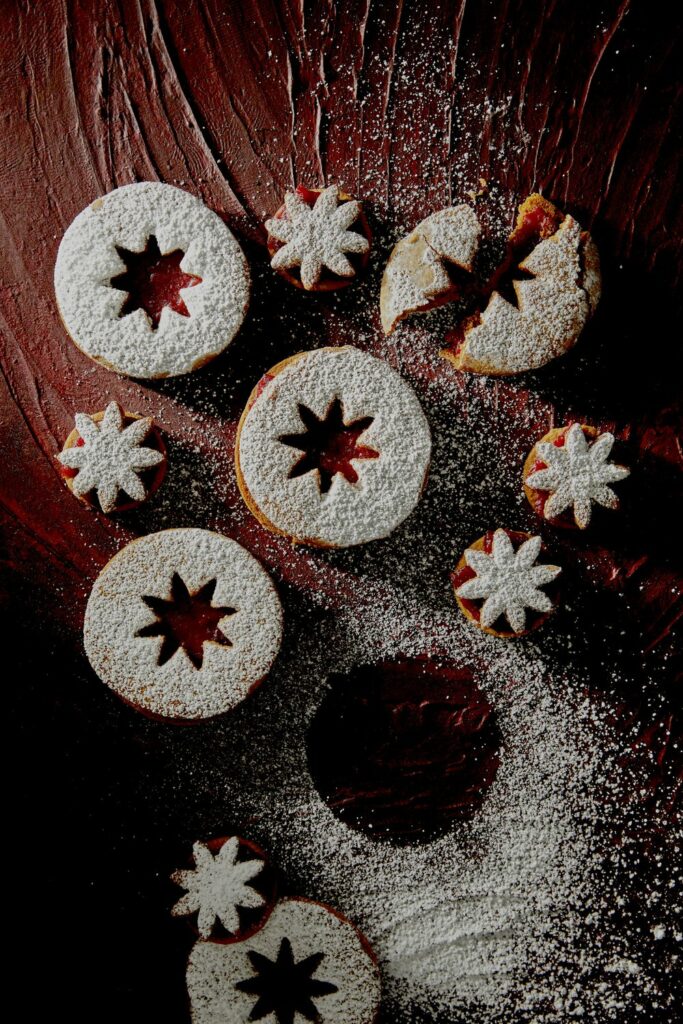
(407, 106)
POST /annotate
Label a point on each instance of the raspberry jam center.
(186, 620)
(330, 445)
(404, 750)
(153, 280)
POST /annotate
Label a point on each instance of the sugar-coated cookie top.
(135, 643)
(390, 469)
(317, 956)
(90, 306)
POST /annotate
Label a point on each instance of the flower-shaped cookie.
(569, 470)
(104, 459)
(493, 581)
(317, 231)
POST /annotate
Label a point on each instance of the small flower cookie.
(183, 624)
(568, 471)
(495, 583)
(113, 459)
(416, 277)
(150, 282)
(332, 448)
(319, 238)
(231, 889)
(554, 287)
(308, 963)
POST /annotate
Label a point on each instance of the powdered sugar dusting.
(577, 475)
(90, 307)
(218, 886)
(129, 663)
(388, 486)
(498, 917)
(509, 582)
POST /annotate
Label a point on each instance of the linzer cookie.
(230, 891)
(319, 238)
(551, 277)
(308, 963)
(113, 460)
(332, 448)
(568, 471)
(183, 624)
(150, 282)
(416, 278)
(497, 584)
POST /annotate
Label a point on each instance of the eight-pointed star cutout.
(285, 988)
(153, 280)
(186, 620)
(329, 445)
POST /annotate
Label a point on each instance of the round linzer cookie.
(551, 277)
(416, 277)
(332, 448)
(113, 460)
(230, 891)
(150, 282)
(319, 238)
(497, 581)
(183, 624)
(568, 471)
(308, 963)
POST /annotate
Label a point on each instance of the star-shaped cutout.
(285, 988)
(186, 620)
(330, 445)
(505, 284)
(153, 281)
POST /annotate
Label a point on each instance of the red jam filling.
(330, 445)
(187, 620)
(539, 498)
(153, 281)
(537, 223)
(66, 471)
(404, 750)
(262, 384)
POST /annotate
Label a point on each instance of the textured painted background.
(407, 106)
